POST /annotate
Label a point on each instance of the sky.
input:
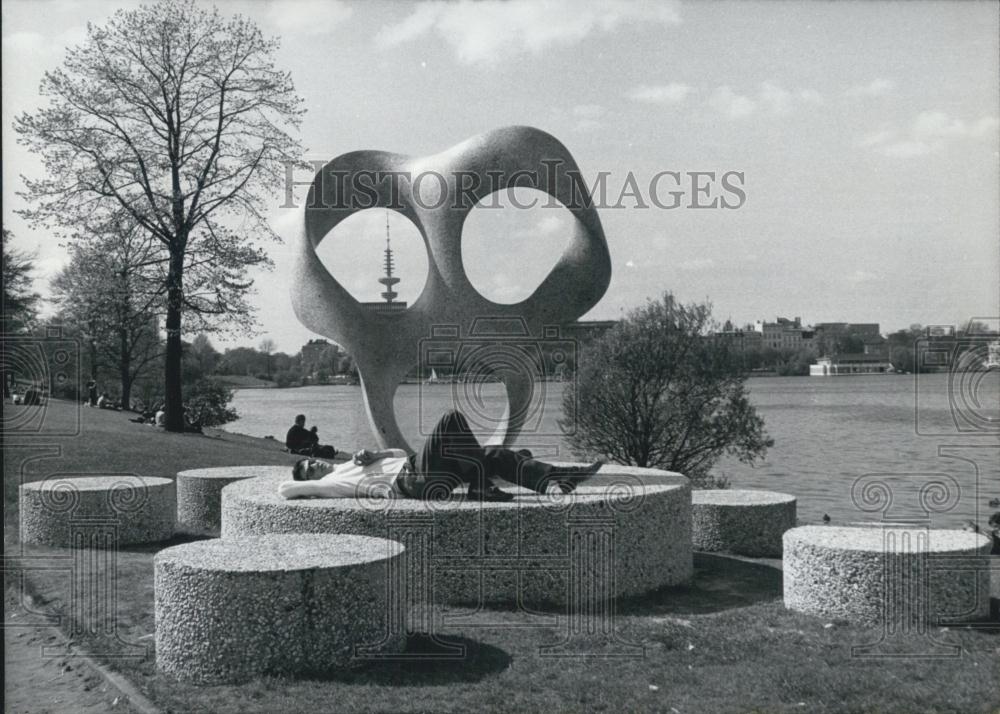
(866, 134)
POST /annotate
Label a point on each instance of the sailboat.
(433, 379)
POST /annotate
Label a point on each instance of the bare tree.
(267, 347)
(178, 117)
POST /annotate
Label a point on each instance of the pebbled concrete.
(900, 576)
(143, 507)
(199, 493)
(230, 610)
(741, 521)
(625, 532)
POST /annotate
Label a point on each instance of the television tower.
(388, 280)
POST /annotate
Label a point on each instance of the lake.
(895, 433)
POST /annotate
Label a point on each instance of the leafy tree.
(200, 359)
(20, 302)
(208, 404)
(110, 291)
(175, 115)
(654, 391)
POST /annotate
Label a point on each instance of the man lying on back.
(450, 457)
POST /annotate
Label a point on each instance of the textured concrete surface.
(199, 493)
(743, 522)
(230, 610)
(143, 507)
(628, 531)
(899, 576)
(450, 315)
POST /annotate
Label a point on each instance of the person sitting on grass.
(305, 442)
(450, 457)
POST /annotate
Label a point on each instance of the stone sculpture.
(386, 346)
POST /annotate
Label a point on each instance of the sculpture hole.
(354, 253)
(511, 240)
(420, 405)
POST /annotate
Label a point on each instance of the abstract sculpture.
(386, 346)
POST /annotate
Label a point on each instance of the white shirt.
(348, 480)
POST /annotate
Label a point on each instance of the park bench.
(741, 521)
(137, 509)
(233, 609)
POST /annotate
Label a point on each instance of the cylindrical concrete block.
(903, 576)
(744, 522)
(143, 508)
(625, 532)
(230, 610)
(199, 493)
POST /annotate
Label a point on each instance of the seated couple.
(305, 442)
(450, 457)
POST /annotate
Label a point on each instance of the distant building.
(784, 334)
(740, 340)
(586, 330)
(852, 363)
(317, 354)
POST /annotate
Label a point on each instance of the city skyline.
(866, 135)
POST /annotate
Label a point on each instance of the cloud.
(309, 17)
(696, 264)
(810, 96)
(862, 276)
(491, 31)
(731, 104)
(777, 100)
(673, 93)
(771, 99)
(876, 88)
(588, 116)
(928, 133)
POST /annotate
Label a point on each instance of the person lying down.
(451, 457)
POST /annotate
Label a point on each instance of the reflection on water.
(828, 433)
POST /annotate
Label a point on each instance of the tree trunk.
(125, 369)
(172, 362)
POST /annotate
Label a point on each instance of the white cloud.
(673, 93)
(550, 225)
(876, 88)
(588, 116)
(810, 96)
(862, 276)
(490, 31)
(777, 99)
(589, 111)
(309, 17)
(731, 104)
(930, 132)
(771, 99)
(696, 264)
(907, 148)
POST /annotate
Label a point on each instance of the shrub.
(208, 403)
(656, 392)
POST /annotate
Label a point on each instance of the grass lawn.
(723, 643)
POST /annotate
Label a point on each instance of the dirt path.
(35, 684)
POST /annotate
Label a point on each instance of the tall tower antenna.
(388, 281)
